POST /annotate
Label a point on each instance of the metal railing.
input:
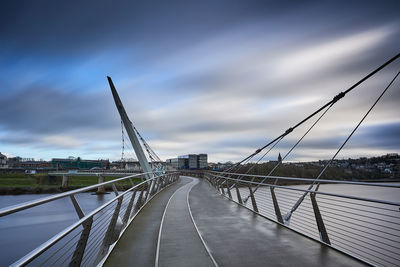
(90, 239)
(365, 228)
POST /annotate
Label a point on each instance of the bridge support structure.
(81, 245)
(113, 229)
(276, 206)
(100, 189)
(239, 197)
(144, 164)
(64, 182)
(253, 200)
(323, 234)
(228, 189)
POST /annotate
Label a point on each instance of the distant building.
(190, 161)
(28, 164)
(132, 165)
(126, 164)
(177, 163)
(35, 164)
(79, 163)
(3, 161)
(202, 161)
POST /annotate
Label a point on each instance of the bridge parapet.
(365, 228)
(193, 173)
(89, 240)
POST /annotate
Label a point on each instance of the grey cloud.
(80, 27)
(218, 91)
(42, 110)
(18, 139)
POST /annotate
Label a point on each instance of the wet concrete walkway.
(179, 241)
(164, 234)
(138, 245)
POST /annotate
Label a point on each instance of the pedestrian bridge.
(222, 219)
(190, 224)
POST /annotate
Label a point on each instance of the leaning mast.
(131, 133)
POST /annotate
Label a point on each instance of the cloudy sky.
(216, 77)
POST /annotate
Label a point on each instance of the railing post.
(221, 186)
(158, 184)
(148, 191)
(154, 190)
(323, 234)
(154, 187)
(100, 189)
(112, 232)
(129, 209)
(218, 183)
(276, 205)
(64, 182)
(139, 201)
(81, 245)
(162, 184)
(214, 182)
(238, 195)
(253, 200)
(228, 189)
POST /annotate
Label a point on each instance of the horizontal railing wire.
(98, 224)
(368, 229)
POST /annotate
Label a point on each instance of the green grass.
(20, 180)
(43, 180)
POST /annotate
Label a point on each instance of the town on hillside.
(386, 166)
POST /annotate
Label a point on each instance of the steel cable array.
(375, 219)
(333, 101)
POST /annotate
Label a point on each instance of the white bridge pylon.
(131, 133)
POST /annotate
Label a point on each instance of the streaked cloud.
(219, 78)
(63, 141)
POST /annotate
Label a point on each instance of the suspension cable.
(150, 151)
(334, 100)
(123, 142)
(300, 200)
(287, 153)
(248, 160)
(154, 158)
(255, 164)
(294, 146)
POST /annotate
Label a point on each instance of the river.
(23, 231)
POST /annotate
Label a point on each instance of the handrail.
(365, 228)
(313, 191)
(29, 204)
(39, 250)
(117, 220)
(309, 179)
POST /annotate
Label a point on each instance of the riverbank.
(18, 190)
(20, 183)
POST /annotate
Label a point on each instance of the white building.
(3, 161)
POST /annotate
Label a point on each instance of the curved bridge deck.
(190, 224)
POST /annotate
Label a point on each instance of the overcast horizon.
(216, 77)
